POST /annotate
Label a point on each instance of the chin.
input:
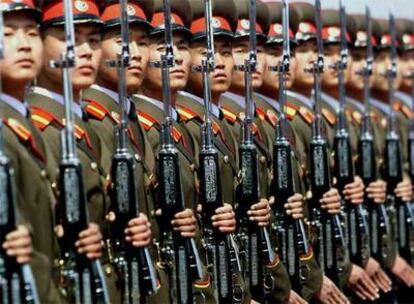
(83, 82)
(220, 88)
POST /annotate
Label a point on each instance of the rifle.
(393, 169)
(293, 241)
(379, 229)
(17, 284)
(135, 265)
(331, 248)
(221, 253)
(83, 277)
(179, 254)
(344, 170)
(258, 251)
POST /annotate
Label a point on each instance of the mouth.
(220, 76)
(86, 69)
(135, 69)
(25, 62)
(177, 73)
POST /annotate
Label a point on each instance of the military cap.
(331, 30)
(84, 11)
(358, 32)
(180, 17)
(243, 24)
(138, 13)
(380, 28)
(304, 26)
(275, 29)
(224, 19)
(8, 6)
(405, 34)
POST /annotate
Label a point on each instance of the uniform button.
(137, 158)
(94, 166)
(192, 167)
(43, 174)
(263, 159)
(108, 271)
(226, 158)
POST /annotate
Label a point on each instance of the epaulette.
(271, 117)
(42, 119)
(399, 106)
(216, 128)
(97, 110)
(260, 113)
(290, 111)
(329, 116)
(187, 114)
(146, 120)
(348, 114)
(229, 115)
(306, 115)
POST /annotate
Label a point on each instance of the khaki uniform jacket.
(33, 167)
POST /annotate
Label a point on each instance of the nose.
(177, 56)
(219, 61)
(84, 50)
(24, 44)
(134, 52)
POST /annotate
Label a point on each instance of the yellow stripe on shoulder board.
(40, 119)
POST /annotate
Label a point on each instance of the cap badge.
(361, 36)
(131, 10)
(407, 39)
(4, 6)
(245, 24)
(81, 6)
(216, 23)
(334, 32)
(278, 28)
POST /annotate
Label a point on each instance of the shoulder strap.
(147, 121)
(42, 118)
(187, 114)
(229, 115)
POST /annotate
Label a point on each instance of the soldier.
(102, 106)
(30, 155)
(355, 106)
(353, 193)
(47, 110)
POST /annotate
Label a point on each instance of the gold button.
(192, 167)
(108, 271)
(226, 158)
(263, 159)
(43, 174)
(137, 158)
(94, 166)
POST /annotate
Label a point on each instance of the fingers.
(354, 192)
(89, 242)
(294, 209)
(367, 288)
(296, 299)
(18, 244)
(377, 191)
(185, 222)
(260, 213)
(404, 190)
(382, 281)
(331, 201)
(138, 231)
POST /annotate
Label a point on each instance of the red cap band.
(244, 25)
(276, 30)
(158, 20)
(217, 22)
(112, 11)
(361, 39)
(80, 7)
(407, 39)
(333, 33)
(386, 41)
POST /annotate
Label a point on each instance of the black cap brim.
(77, 19)
(216, 32)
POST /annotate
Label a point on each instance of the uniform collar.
(215, 110)
(334, 103)
(239, 99)
(357, 104)
(160, 105)
(405, 98)
(302, 98)
(19, 106)
(114, 95)
(383, 107)
(76, 108)
(270, 101)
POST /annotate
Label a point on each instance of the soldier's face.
(331, 57)
(306, 54)
(22, 50)
(139, 56)
(406, 67)
(220, 79)
(274, 54)
(240, 54)
(356, 63)
(382, 64)
(87, 49)
(181, 70)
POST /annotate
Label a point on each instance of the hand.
(378, 275)
(185, 222)
(296, 299)
(354, 192)
(294, 206)
(377, 191)
(331, 201)
(225, 219)
(403, 271)
(362, 285)
(90, 242)
(260, 212)
(18, 244)
(404, 190)
(330, 294)
(139, 231)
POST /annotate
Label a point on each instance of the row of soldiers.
(33, 113)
